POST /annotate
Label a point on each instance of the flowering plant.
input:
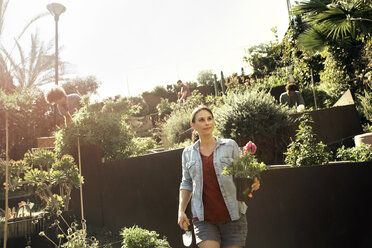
(246, 165)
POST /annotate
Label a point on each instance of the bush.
(142, 146)
(178, 121)
(322, 98)
(366, 104)
(249, 114)
(100, 123)
(256, 116)
(333, 79)
(29, 117)
(139, 101)
(42, 172)
(162, 92)
(361, 153)
(304, 151)
(164, 107)
(136, 237)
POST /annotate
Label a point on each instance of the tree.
(83, 86)
(344, 28)
(29, 118)
(205, 77)
(29, 70)
(265, 58)
(332, 23)
(35, 69)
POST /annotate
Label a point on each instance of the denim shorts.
(227, 234)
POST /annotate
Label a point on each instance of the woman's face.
(204, 123)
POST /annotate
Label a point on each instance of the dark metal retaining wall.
(321, 206)
(333, 125)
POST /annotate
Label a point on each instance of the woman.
(218, 218)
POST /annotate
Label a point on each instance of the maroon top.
(185, 88)
(215, 210)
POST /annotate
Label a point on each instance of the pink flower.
(250, 147)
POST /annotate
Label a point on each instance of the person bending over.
(292, 97)
(66, 104)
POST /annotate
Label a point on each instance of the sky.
(132, 46)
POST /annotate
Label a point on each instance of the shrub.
(99, 123)
(322, 98)
(164, 107)
(178, 121)
(249, 114)
(367, 128)
(366, 104)
(362, 153)
(29, 118)
(42, 172)
(139, 101)
(142, 146)
(333, 79)
(256, 116)
(136, 237)
(162, 92)
(304, 151)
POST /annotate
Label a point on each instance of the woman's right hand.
(182, 217)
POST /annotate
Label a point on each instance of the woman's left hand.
(256, 184)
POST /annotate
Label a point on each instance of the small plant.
(75, 237)
(245, 166)
(362, 153)
(367, 128)
(305, 151)
(135, 237)
(42, 172)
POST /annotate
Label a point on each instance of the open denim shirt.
(192, 177)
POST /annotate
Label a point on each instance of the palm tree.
(334, 23)
(32, 69)
(344, 27)
(35, 69)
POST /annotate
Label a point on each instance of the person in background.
(66, 104)
(218, 217)
(184, 93)
(292, 97)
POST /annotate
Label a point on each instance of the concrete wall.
(321, 206)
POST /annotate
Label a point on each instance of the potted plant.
(244, 169)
